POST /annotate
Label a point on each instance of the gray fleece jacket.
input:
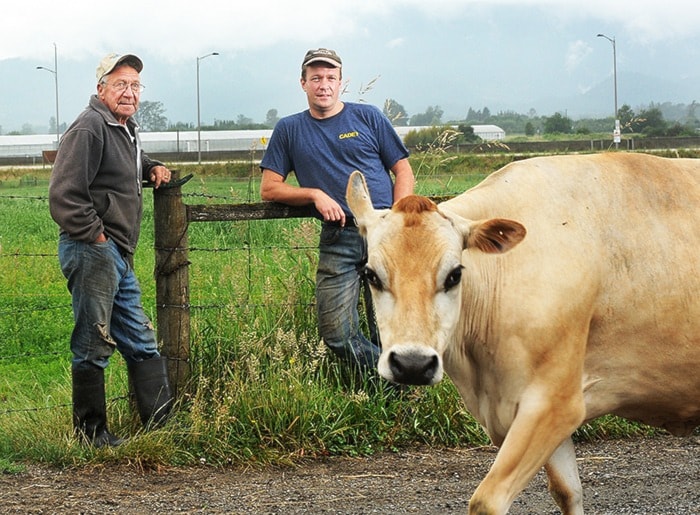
(95, 184)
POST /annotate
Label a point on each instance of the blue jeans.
(107, 309)
(342, 253)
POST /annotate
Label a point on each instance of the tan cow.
(556, 291)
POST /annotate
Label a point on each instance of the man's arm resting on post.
(404, 181)
(274, 189)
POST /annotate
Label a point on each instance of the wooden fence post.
(172, 282)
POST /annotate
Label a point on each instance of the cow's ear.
(494, 236)
(359, 201)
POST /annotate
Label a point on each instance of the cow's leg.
(534, 436)
(564, 483)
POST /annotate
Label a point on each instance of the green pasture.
(263, 389)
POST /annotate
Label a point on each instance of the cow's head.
(414, 269)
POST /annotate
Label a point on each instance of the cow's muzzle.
(411, 366)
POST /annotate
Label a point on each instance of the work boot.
(90, 408)
(152, 389)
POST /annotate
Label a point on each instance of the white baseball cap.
(111, 61)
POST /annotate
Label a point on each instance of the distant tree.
(529, 129)
(651, 122)
(150, 116)
(181, 126)
(672, 112)
(485, 114)
(224, 125)
(626, 116)
(27, 128)
(557, 124)
(510, 121)
(691, 119)
(678, 129)
(244, 121)
(395, 112)
(271, 118)
(432, 116)
(466, 134)
(435, 138)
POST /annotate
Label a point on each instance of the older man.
(95, 197)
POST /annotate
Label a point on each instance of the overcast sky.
(501, 54)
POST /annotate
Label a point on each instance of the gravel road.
(641, 475)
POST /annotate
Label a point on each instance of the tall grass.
(263, 389)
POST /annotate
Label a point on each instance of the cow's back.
(612, 244)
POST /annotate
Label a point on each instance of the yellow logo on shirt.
(353, 134)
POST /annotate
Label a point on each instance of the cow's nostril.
(413, 368)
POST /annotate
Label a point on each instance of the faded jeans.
(107, 309)
(342, 254)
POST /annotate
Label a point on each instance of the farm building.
(32, 146)
(489, 132)
(485, 132)
(153, 142)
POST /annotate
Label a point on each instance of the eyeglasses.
(120, 86)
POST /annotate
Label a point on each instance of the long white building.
(32, 146)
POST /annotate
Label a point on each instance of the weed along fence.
(231, 296)
(210, 288)
(172, 218)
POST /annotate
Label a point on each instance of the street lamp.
(616, 132)
(55, 78)
(199, 123)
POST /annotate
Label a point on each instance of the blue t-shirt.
(323, 153)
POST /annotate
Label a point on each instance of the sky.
(540, 56)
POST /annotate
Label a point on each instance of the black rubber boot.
(90, 408)
(152, 389)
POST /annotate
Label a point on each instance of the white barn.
(153, 142)
(485, 132)
(31, 146)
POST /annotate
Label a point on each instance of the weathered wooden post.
(172, 280)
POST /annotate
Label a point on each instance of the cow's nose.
(413, 368)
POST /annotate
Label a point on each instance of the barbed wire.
(203, 307)
(244, 248)
(24, 197)
(19, 357)
(29, 355)
(20, 254)
(247, 248)
(206, 195)
(110, 400)
(192, 307)
(32, 309)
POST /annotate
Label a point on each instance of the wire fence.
(35, 321)
(30, 313)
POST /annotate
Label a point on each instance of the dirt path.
(659, 476)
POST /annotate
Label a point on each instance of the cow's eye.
(372, 278)
(453, 278)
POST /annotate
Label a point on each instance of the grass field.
(263, 389)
